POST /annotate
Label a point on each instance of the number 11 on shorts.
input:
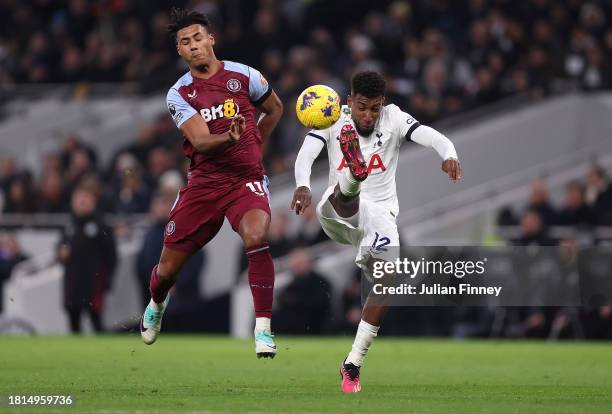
(256, 187)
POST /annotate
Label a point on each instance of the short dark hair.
(181, 18)
(369, 84)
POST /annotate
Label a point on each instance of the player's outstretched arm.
(272, 110)
(197, 132)
(429, 137)
(310, 150)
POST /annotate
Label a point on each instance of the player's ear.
(349, 100)
(212, 39)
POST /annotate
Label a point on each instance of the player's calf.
(346, 205)
(261, 281)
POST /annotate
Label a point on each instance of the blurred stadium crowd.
(441, 58)
(586, 204)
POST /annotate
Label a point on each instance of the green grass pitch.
(204, 374)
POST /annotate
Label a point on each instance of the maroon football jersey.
(234, 89)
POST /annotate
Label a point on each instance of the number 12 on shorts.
(380, 243)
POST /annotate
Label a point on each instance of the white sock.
(365, 335)
(156, 306)
(349, 186)
(262, 324)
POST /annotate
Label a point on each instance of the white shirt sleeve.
(179, 109)
(310, 150)
(429, 137)
(259, 89)
(403, 123)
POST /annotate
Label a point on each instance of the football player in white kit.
(360, 205)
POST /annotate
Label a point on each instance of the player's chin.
(201, 67)
(367, 131)
(199, 63)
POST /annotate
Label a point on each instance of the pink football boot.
(350, 378)
(349, 145)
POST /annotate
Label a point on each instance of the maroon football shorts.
(198, 213)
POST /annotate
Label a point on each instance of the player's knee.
(254, 237)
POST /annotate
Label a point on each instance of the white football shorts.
(373, 231)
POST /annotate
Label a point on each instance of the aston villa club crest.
(170, 227)
(234, 85)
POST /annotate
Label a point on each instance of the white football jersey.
(380, 151)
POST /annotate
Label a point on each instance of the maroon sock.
(159, 288)
(261, 279)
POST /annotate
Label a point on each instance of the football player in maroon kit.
(216, 106)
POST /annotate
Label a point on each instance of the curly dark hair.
(369, 84)
(181, 18)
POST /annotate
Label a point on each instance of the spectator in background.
(603, 207)
(20, 197)
(303, 306)
(575, 212)
(8, 171)
(10, 255)
(598, 196)
(72, 144)
(597, 184)
(88, 254)
(539, 201)
(52, 163)
(533, 230)
(506, 217)
(79, 165)
(140, 148)
(133, 196)
(159, 161)
(52, 197)
(131, 192)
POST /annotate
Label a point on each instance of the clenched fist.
(302, 197)
(452, 167)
